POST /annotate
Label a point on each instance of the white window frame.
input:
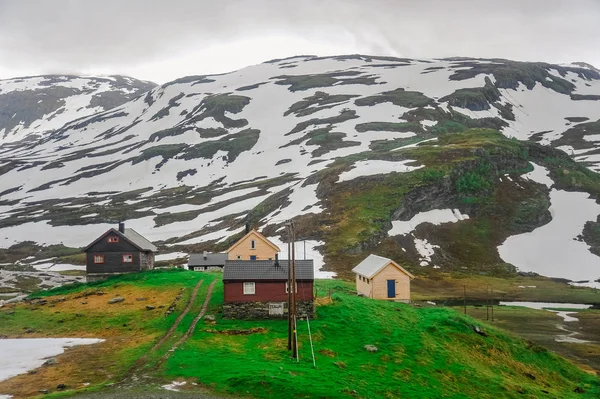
(249, 287)
(287, 287)
(98, 259)
(239, 257)
(127, 261)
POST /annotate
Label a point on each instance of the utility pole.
(492, 301)
(487, 304)
(293, 289)
(304, 249)
(289, 284)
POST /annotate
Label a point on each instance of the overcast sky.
(162, 40)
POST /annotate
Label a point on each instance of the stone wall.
(260, 310)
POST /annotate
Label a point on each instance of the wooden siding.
(113, 256)
(364, 288)
(113, 262)
(391, 272)
(146, 260)
(262, 251)
(266, 291)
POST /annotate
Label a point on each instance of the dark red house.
(118, 251)
(257, 289)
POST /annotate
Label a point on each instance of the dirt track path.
(142, 360)
(190, 330)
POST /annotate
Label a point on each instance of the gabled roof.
(211, 260)
(266, 270)
(374, 263)
(260, 236)
(139, 241)
(131, 236)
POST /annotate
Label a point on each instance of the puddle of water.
(564, 314)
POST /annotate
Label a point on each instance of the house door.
(252, 257)
(391, 285)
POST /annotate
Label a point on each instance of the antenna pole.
(289, 285)
(293, 290)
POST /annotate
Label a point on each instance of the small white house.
(382, 278)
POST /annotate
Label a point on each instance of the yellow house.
(252, 246)
(382, 278)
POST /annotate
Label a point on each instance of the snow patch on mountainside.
(370, 168)
(435, 216)
(554, 250)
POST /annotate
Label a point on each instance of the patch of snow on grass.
(553, 250)
(374, 167)
(22, 355)
(57, 267)
(171, 256)
(426, 250)
(539, 174)
(174, 386)
(435, 216)
(302, 251)
(590, 284)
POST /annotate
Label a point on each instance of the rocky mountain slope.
(454, 164)
(30, 106)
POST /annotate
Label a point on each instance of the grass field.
(422, 352)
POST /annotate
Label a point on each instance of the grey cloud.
(74, 36)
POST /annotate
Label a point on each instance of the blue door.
(391, 288)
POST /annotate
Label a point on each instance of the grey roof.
(373, 264)
(211, 260)
(138, 240)
(266, 270)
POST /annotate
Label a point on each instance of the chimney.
(122, 227)
(205, 254)
(247, 228)
(277, 260)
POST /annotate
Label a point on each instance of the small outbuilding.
(207, 262)
(382, 278)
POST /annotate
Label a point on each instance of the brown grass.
(77, 367)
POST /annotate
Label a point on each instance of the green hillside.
(422, 352)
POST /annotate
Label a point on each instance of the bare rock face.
(116, 300)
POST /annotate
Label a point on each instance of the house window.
(287, 287)
(128, 258)
(249, 289)
(98, 258)
(252, 244)
(252, 257)
(113, 239)
(368, 281)
(239, 257)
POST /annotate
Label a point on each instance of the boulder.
(116, 300)
(149, 307)
(371, 348)
(209, 317)
(50, 362)
(61, 387)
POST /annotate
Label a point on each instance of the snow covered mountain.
(37, 104)
(397, 156)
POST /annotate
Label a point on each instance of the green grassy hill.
(422, 352)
